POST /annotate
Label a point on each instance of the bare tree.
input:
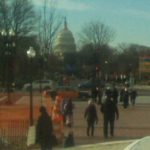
(17, 15)
(48, 26)
(23, 17)
(4, 15)
(96, 33)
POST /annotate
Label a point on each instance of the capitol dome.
(64, 42)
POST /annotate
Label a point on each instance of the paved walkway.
(134, 123)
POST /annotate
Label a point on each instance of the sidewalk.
(134, 123)
(146, 87)
(119, 145)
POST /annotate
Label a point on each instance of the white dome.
(64, 41)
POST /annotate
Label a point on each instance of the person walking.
(133, 95)
(115, 94)
(44, 130)
(63, 110)
(110, 112)
(126, 97)
(68, 112)
(100, 95)
(121, 94)
(94, 93)
(91, 117)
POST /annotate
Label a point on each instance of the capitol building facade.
(65, 42)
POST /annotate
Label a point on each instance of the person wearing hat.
(91, 117)
(44, 130)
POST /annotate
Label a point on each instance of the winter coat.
(44, 130)
(115, 95)
(110, 109)
(91, 113)
(133, 94)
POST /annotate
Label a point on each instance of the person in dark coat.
(133, 95)
(44, 130)
(91, 117)
(110, 112)
(121, 94)
(100, 95)
(94, 93)
(125, 97)
(115, 94)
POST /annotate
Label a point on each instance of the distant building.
(144, 64)
(64, 42)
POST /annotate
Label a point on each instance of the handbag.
(31, 136)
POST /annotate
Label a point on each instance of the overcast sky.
(129, 18)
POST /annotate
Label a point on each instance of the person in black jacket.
(44, 130)
(126, 95)
(115, 94)
(110, 112)
(91, 117)
(133, 95)
(94, 93)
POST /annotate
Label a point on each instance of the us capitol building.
(64, 42)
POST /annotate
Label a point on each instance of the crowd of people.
(108, 108)
(106, 99)
(124, 94)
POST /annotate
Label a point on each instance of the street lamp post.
(8, 53)
(31, 54)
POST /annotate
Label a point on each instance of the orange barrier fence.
(14, 120)
(13, 131)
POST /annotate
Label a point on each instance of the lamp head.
(31, 52)
(3, 32)
(11, 32)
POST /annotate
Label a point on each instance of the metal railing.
(13, 133)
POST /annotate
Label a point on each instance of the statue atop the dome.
(65, 23)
